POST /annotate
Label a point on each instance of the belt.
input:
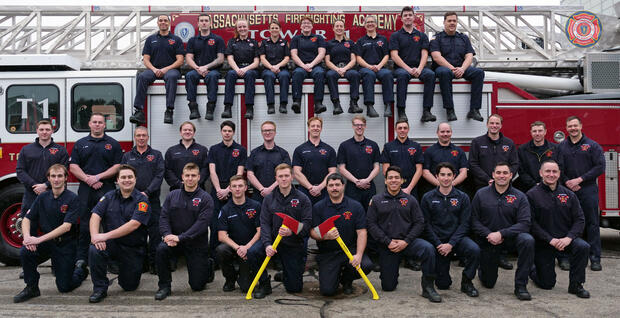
(243, 64)
(342, 64)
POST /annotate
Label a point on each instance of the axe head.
(327, 225)
(291, 223)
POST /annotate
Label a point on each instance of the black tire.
(9, 196)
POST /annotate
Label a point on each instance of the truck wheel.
(10, 237)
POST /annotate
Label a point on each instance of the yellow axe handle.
(375, 296)
(262, 268)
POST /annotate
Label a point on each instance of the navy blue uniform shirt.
(295, 204)
(243, 51)
(96, 155)
(555, 213)
(187, 215)
(178, 156)
(453, 48)
(149, 169)
(47, 213)
(394, 217)
(447, 216)
(437, 153)
(314, 160)
(239, 221)
(409, 45)
(115, 211)
(352, 218)
(484, 153)
(359, 157)
(508, 213)
(582, 159)
(163, 50)
(530, 158)
(34, 160)
(227, 159)
(206, 48)
(307, 46)
(340, 51)
(274, 51)
(403, 154)
(263, 161)
(372, 50)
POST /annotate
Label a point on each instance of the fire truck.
(63, 63)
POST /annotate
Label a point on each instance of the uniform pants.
(334, 268)
(269, 78)
(472, 74)
(293, 265)
(249, 80)
(192, 79)
(130, 261)
(465, 248)
(368, 85)
(588, 198)
(27, 201)
(256, 256)
(197, 258)
(213, 239)
(89, 197)
(419, 249)
(353, 76)
(362, 196)
(227, 256)
(153, 229)
(63, 261)
(544, 259)
(317, 74)
(147, 77)
(402, 82)
(489, 259)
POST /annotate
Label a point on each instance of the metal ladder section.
(111, 37)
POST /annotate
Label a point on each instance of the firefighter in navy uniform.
(54, 214)
(274, 55)
(447, 212)
(557, 223)
(238, 230)
(395, 220)
(501, 219)
(94, 161)
(184, 225)
(186, 151)
(584, 162)
(532, 154)
(334, 266)
(445, 151)
(453, 55)
(33, 161)
(124, 216)
(149, 165)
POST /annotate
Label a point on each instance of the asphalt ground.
(405, 301)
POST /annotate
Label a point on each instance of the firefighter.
(308, 51)
(453, 55)
(242, 56)
(532, 154)
(162, 55)
(445, 151)
(205, 55)
(184, 223)
(94, 161)
(275, 55)
(313, 161)
(186, 151)
(372, 54)
(557, 223)
(292, 249)
(124, 216)
(340, 60)
(54, 214)
(149, 165)
(238, 230)
(409, 51)
(396, 222)
(447, 213)
(33, 161)
(583, 163)
(334, 266)
(500, 220)
(263, 160)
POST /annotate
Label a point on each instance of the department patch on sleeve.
(143, 206)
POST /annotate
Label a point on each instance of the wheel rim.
(8, 225)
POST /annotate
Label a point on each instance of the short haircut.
(204, 15)
(283, 166)
(311, 119)
(406, 9)
(498, 116)
(141, 128)
(268, 122)
(359, 117)
(96, 114)
(374, 17)
(238, 177)
(538, 123)
(445, 165)
(57, 166)
(502, 163)
(185, 123)
(573, 118)
(394, 168)
(125, 167)
(229, 124)
(335, 176)
(191, 166)
(164, 15)
(44, 122)
(549, 161)
(306, 17)
(401, 121)
(442, 124)
(449, 13)
(276, 22)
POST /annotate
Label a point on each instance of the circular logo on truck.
(583, 29)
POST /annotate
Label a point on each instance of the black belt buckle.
(244, 64)
(342, 64)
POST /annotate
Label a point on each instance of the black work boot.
(450, 114)
(282, 108)
(263, 290)
(337, 107)
(210, 111)
(193, 110)
(522, 293)
(296, 106)
(428, 291)
(401, 113)
(468, 287)
(227, 113)
(475, 115)
(28, 293)
(370, 111)
(137, 117)
(162, 293)
(271, 109)
(319, 107)
(353, 108)
(249, 111)
(388, 110)
(564, 264)
(577, 289)
(168, 115)
(229, 285)
(427, 116)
